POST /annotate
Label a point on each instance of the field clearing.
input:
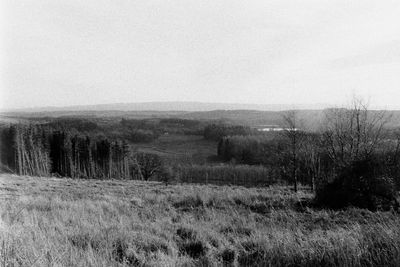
(66, 222)
(181, 148)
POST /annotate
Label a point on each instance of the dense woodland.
(36, 150)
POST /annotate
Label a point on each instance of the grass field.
(65, 222)
(182, 149)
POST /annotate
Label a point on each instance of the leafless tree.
(293, 133)
(147, 164)
(354, 133)
(311, 153)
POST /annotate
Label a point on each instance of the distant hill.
(171, 106)
(310, 118)
(244, 114)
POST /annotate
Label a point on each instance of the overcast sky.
(72, 52)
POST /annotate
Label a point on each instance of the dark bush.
(186, 233)
(122, 254)
(194, 248)
(253, 254)
(361, 184)
(228, 257)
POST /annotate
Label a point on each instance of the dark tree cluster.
(138, 135)
(252, 149)
(36, 150)
(80, 125)
(82, 157)
(274, 153)
(364, 183)
(155, 127)
(182, 126)
(25, 150)
(179, 123)
(137, 131)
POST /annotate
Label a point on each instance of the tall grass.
(227, 175)
(66, 222)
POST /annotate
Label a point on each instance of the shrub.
(189, 243)
(121, 253)
(228, 257)
(253, 149)
(185, 233)
(360, 184)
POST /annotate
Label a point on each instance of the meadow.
(77, 222)
(180, 149)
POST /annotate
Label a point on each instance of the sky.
(74, 52)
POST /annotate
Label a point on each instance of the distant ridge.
(173, 106)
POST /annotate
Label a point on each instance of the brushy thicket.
(271, 151)
(67, 222)
(226, 175)
(251, 149)
(363, 184)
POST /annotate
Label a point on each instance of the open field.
(65, 222)
(181, 148)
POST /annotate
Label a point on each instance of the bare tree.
(361, 159)
(353, 134)
(294, 135)
(311, 152)
(147, 164)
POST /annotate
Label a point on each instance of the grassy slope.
(65, 222)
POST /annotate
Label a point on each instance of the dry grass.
(65, 222)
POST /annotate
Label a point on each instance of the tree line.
(217, 131)
(41, 151)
